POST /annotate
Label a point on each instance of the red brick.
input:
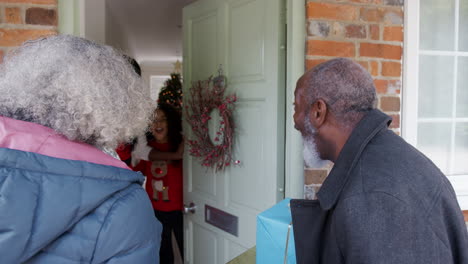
(394, 2)
(337, 29)
(374, 32)
(13, 15)
(394, 87)
(330, 48)
(15, 37)
(332, 11)
(395, 121)
(43, 2)
(318, 28)
(389, 15)
(380, 51)
(391, 69)
(387, 86)
(312, 63)
(356, 31)
(381, 86)
(393, 16)
(374, 68)
(393, 33)
(372, 14)
(315, 176)
(390, 104)
(41, 16)
(369, 2)
(366, 1)
(364, 64)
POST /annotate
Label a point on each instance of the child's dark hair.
(174, 126)
(134, 63)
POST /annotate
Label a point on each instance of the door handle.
(191, 208)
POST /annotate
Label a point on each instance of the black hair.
(174, 126)
(134, 63)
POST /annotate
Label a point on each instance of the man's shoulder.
(388, 165)
(389, 158)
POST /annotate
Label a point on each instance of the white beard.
(311, 155)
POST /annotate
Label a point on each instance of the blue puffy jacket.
(64, 211)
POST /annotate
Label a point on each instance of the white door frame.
(71, 17)
(296, 39)
(83, 18)
(409, 109)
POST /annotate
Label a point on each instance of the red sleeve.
(124, 151)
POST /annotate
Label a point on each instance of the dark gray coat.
(383, 202)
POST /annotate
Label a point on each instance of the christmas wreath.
(206, 97)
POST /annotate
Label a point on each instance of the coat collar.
(32, 137)
(366, 129)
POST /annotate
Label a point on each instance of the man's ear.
(318, 113)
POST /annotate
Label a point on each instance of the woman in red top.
(164, 177)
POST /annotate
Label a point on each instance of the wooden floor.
(465, 214)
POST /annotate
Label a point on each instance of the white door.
(248, 38)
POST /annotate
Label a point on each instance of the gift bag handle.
(287, 243)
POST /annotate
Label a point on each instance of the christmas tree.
(171, 93)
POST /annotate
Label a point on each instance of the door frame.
(295, 67)
(83, 18)
(71, 17)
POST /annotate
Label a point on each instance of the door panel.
(246, 41)
(205, 182)
(233, 249)
(204, 43)
(248, 137)
(205, 252)
(247, 38)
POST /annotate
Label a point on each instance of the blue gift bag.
(275, 238)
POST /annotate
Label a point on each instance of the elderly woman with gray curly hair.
(63, 199)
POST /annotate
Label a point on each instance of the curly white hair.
(87, 92)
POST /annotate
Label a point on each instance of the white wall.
(95, 20)
(150, 31)
(161, 68)
(159, 72)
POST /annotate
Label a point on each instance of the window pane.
(461, 149)
(462, 87)
(463, 37)
(434, 142)
(435, 86)
(437, 24)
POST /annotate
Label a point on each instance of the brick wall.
(367, 31)
(22, 20)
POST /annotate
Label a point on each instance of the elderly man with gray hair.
(383, 201)
(65, 103)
